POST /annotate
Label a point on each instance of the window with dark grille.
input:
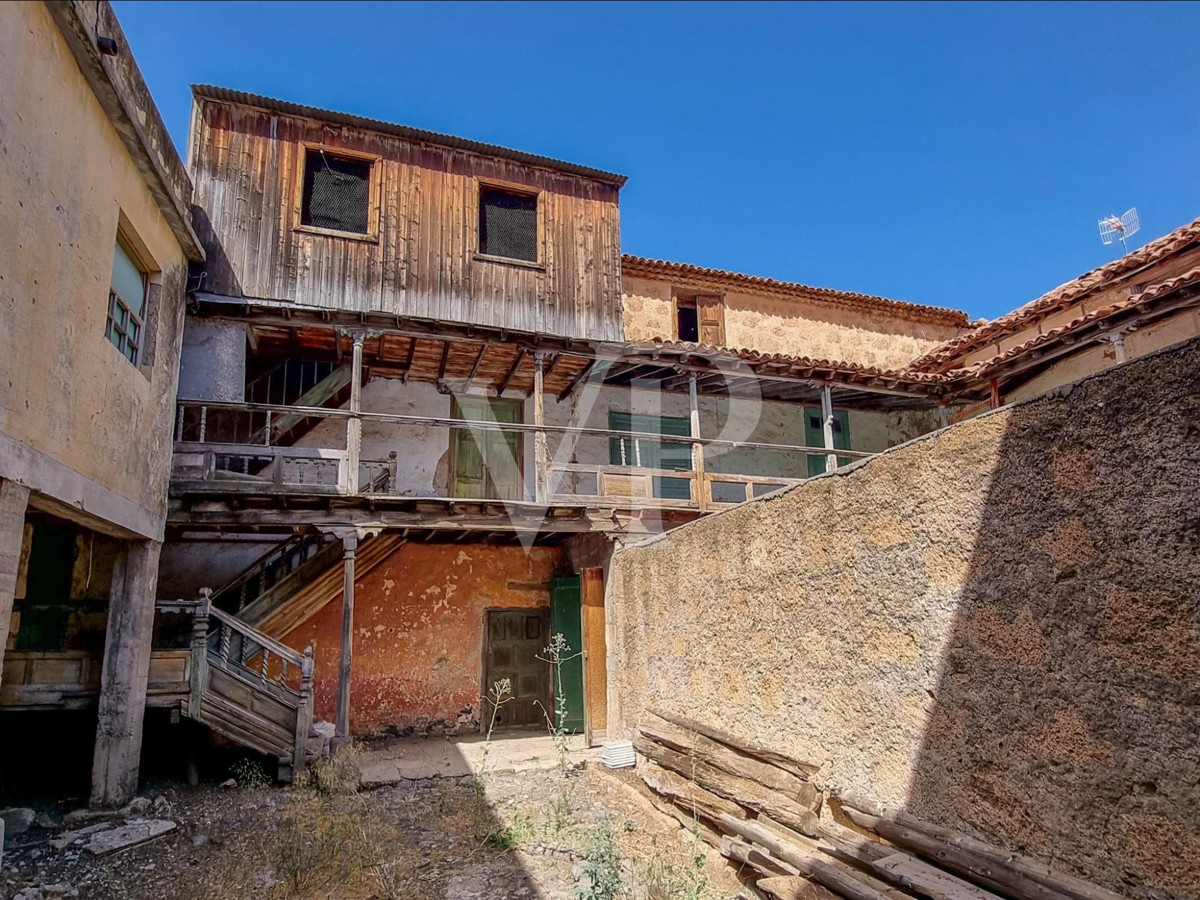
(337, 192)
(126, 304)
(508, 224)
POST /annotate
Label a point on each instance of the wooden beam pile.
(759, 809)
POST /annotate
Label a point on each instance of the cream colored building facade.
(90, 188)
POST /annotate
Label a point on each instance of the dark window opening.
(336, 192)
(687, 323)
(508, 224)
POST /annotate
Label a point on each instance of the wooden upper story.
(331, 210)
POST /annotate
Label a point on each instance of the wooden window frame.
(692, 298)
(509, 187)
(141, 343)
(374, 190)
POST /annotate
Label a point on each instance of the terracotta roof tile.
(1062, 296)
(641, 266)
(984, 368)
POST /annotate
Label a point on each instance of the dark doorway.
(516, 638)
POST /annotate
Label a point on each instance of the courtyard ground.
(530, 825)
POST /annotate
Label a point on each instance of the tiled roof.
(1064, 295)
(799, 366)
(413, 134)
(640, 266)
(955, 379)
(985, 368)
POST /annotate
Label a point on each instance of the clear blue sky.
(952, 154)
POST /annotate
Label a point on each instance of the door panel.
(565, 597)
(486, 464)
(515, 640)
(814, 436)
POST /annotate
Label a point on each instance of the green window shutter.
(654, 454)
(814, 436)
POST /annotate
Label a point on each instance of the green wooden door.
(565, 619)
(649, 454)
(487, 464)
(814, 436)
(47, 606)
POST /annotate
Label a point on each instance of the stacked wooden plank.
(762, 811)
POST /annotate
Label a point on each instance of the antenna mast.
(1119, 228)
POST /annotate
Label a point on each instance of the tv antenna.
(1119, 228)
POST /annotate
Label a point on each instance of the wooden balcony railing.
(210, 458)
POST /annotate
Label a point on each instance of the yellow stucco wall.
(65, 176)
(797, 327)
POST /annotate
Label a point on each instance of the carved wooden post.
(304, 710)
(354, 423)
(391, 487)
(349, 546)
(827, 427)
(540, 455)
(699, 492)
(198, 668)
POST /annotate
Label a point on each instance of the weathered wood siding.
(248, 165)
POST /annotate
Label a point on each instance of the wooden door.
(515, 640)
(814, 436)
(595, 655)
(486, 465)
(710, 316)
(566, 619)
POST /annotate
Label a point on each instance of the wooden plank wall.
(247, 165)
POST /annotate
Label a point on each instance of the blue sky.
(954, 154)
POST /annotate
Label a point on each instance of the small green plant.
(250, 774)
(558, 652)
(601, 875)
(500, 694)
(509, 837)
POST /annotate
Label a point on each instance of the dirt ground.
(581, 832)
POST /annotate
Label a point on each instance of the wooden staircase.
(283, 611)
(248, 687)
(288, 563)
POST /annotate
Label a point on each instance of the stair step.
(309, 599)
(241, 725)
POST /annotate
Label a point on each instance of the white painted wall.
(423, 452)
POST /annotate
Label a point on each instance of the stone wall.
(996, 626)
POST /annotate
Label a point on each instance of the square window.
(508, 224)
(337, 192)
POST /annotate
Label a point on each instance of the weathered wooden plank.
(1026, 865)
(799, 768)
(742, 791)
(688, 794)
(730, 760)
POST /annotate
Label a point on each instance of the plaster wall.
(996, 627)
(792, 326)
(423, 458)
(213, 361)
(78, 422)
(185, 566)
(419, 633)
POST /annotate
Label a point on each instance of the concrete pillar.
(342, 725)
(124, 674)
(13, 500)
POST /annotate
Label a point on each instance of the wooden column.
(595, 652)
(124, 674)
(14, 498)
(342, 725)
(540, 456)
(1118, 342)
(943, 415)
(700, 492)
(827, 427)
(354, 422)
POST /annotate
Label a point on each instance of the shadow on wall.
(1066, 712)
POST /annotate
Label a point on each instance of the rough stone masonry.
(996, 627)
